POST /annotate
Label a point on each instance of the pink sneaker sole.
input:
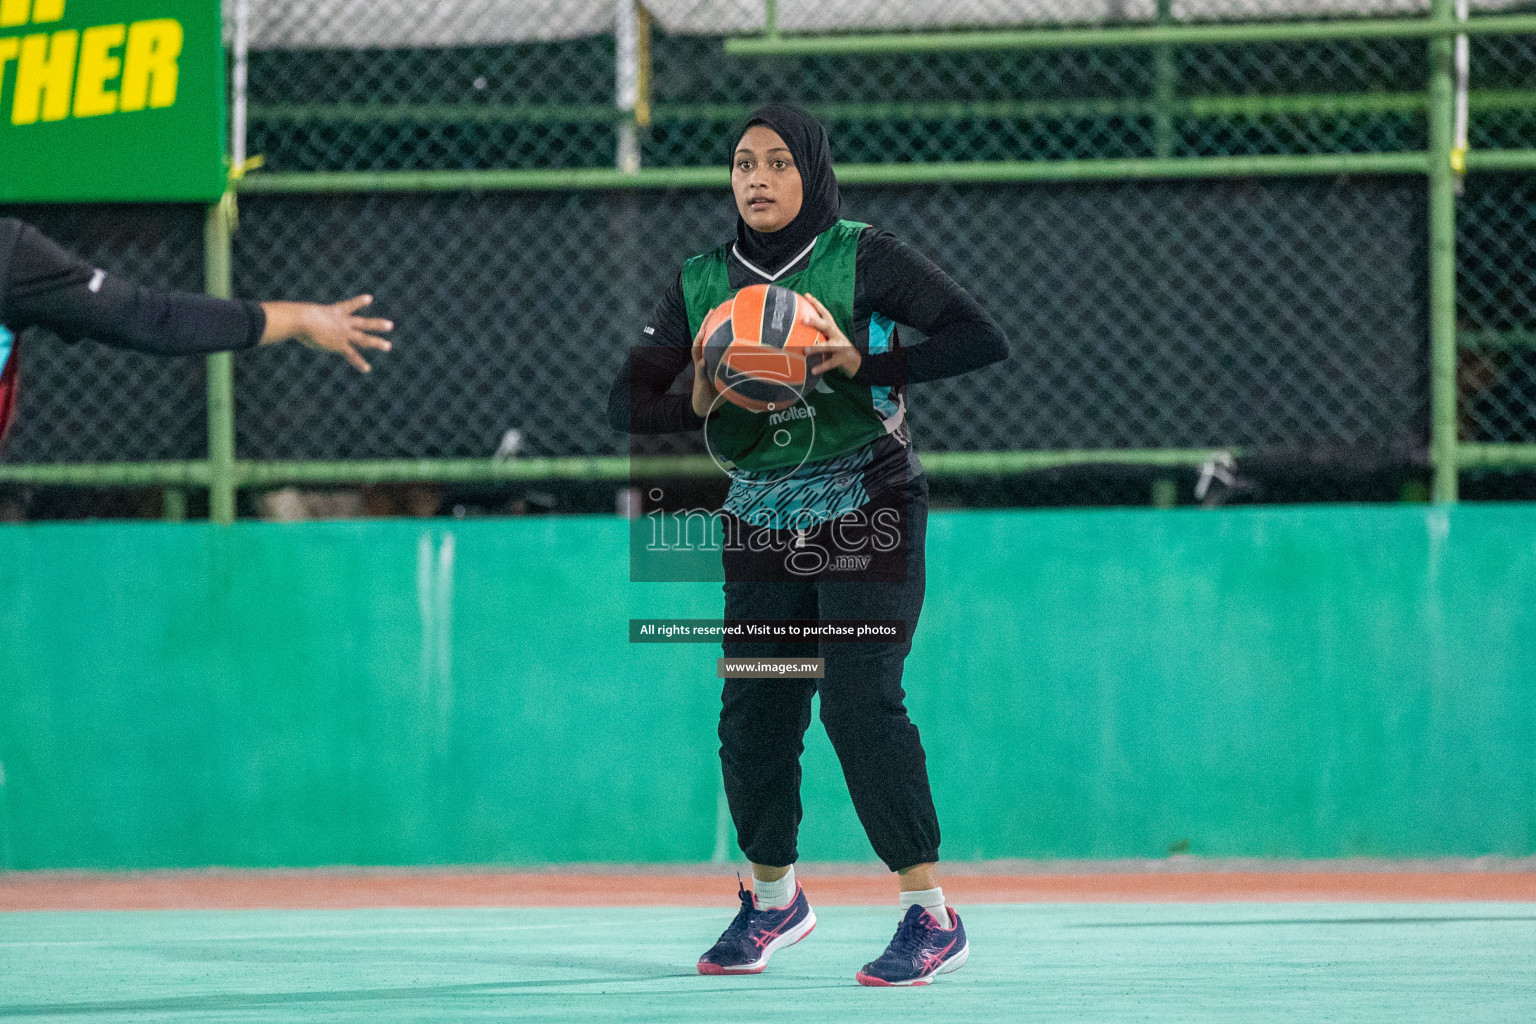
(756, 967)
(954, 963)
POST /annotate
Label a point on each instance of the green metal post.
(174, 504)
(771, 18)
(1442, 259)
(221, 375)
(1165, 74)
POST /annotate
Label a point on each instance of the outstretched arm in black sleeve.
(52, 288)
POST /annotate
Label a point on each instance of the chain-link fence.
(1284, 318)
(551, 104)
(1274, 314)
(1497, 322)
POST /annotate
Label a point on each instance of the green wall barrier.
(1301, 682)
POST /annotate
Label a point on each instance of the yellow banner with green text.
(111, 100)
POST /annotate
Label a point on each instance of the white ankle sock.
(931, 900)
(775, 894)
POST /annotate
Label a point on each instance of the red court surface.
(833, 885)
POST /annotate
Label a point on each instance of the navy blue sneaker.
(920, 951)
(744, 947)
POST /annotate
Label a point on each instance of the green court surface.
(1398, 963)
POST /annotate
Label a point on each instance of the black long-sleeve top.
(49, 287)
(890, 277)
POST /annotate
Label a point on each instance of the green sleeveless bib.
(841, 415)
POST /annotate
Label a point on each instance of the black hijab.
(819, 204)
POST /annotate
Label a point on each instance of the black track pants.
(763, 721)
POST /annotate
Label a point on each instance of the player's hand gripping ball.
(753, 348)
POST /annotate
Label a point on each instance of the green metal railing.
(223, 474)
(1437, 26)
(969, 172)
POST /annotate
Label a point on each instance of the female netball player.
(819, 482)
(43, 285)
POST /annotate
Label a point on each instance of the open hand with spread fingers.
(333, 328)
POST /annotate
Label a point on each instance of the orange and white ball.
(754, 348)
